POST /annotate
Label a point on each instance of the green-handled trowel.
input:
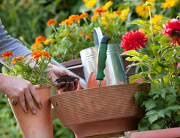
(102, 59)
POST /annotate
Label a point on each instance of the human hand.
(20, 89)
(56, 72)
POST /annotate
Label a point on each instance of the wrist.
(2, 81)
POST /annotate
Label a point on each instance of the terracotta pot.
(162, 133)
(100, 110)
(38, 125)
(92, 82)
(75, 88)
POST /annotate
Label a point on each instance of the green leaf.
(137, 64)
(167, 112)
(154, 89)
(177, 58)
(141, 23)
(177, 118)
(155, 127)
(171, 89)
(161, 113)
(140, 97)
(163, 93)
(163, 39)
(133, 78)
(150, 104)
(159, 76)
(175, 79)
(171, 99)
(173, 108)
(131, 52)
(154, 47)
(133, 59)
(144, 124)
(46, 72)
(152, 116)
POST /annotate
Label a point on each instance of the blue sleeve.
(8, 43)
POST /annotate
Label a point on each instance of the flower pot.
(40, 124)
(99, 110)
(75, 88)
(92, 82)
(162, 133)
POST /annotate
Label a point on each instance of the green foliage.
(162, 102)
(36, 74)
(61, 132)
(28, 18)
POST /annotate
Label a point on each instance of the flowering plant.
(158, 51)
(33, 70)
(76, 33)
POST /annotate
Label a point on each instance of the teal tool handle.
(102, 58)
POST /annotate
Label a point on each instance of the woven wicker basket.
(101, 110)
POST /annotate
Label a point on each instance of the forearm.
(8, 43)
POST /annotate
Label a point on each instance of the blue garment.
(8, 43)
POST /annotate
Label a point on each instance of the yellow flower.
(94, 17)
(124, 14)
(90, 3)
(141, 10)
(107, 5)
(155, 20)
(48, 41)
(104, 21)
(109, 15)
(169, 3)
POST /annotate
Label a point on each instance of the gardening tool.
(114, 71)
(102, 59)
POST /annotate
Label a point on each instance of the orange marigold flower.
(7, 54)
(17, 59)
(40, 39)
(94, 17)
(38, 54)
(37, 46)
(51, 22)
(118, 12)
(84, 15)
(88, 37)
(74, 18)
(67, 22)
(81, 33)
(99, 11)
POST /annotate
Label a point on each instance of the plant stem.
(145, 78)
(151, 24)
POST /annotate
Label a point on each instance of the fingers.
(14, 101)
(30, 102)
(71, 86)
(65, 88)
(36, 96)
(22, 102)
(76, 82)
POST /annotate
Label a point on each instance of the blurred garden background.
(26, 20)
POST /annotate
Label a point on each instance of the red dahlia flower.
(172, 29)
(133, 40)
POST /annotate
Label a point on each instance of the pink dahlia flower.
(172, 29)
(133, 40)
